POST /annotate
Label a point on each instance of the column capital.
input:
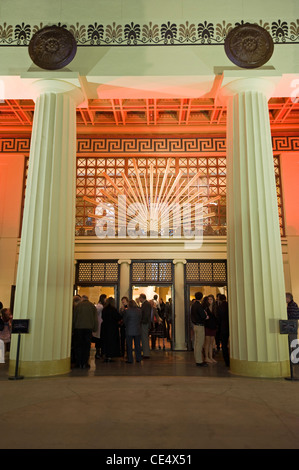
(177, 261)
(52, 85)
(258, 84)
(122, 261)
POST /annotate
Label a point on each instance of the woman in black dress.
(209, 306)
(110, 330)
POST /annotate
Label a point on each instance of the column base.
(260, 369)
(41, 368)
(180, 347)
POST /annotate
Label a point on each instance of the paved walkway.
(163, 403)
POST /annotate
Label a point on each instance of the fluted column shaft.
(255, 266)
(44, 286)
(179, 334)
(124, 278)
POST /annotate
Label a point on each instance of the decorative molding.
(15, 145)
(52, 47)
(196, 32)
(168, 145)
(249, 46)
(285, 143)
(147, 145)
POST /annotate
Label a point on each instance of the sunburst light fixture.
(153, 203)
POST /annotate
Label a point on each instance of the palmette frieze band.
(199, 31)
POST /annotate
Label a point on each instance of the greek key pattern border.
(147, 145)
(168, 33)
(150, 145)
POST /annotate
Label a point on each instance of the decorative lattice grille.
(89, 183)
(206, 272)
(212, 183)
(148, 271)
(97, 272)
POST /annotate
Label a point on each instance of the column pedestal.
(44, 287)
(255, 266)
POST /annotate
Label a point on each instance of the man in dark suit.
(84, 323)
(198, 317)
(145, 325)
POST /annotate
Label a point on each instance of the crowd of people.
(210, 326)
(117, 333)
(138, 324)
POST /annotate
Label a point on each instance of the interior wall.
(162, 292)
(207, 290)
(289, 162)
(93, 293)
(11, 188)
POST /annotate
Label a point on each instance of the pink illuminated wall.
(11, 184)
(290, 182)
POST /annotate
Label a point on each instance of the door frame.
(157, 283)
(90, 283)
(102, 284)
(198, 283)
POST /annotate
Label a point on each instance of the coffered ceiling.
(101, 114)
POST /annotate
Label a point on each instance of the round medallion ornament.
(52, 47)
(249, 46)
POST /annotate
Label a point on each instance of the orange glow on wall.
(290, 179)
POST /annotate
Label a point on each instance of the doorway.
(93, 292)
(162, 336)
(191, 290)
(96, 277)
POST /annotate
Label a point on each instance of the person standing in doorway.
(155, 322)
(145, 325)
(198, 318)
(96, 337)
(122, 327)
(217, 338)
(168, 317)
(210, 328)
(132, 321)
(110, 330)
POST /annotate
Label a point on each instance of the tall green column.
(44, 287)
(255, 266)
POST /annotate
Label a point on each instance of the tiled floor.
(161, 363)
(163, 403)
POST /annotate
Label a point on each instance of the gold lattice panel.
(156, 271)
(219, 272)
(97, 272)
(85, 272)
(206, 272)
